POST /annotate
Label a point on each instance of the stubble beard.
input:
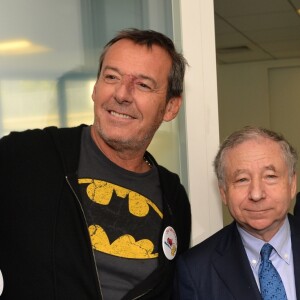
(127, 144)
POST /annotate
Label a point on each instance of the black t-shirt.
(124, 213)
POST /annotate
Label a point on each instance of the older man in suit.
(255, 168)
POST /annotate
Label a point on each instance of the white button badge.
(169, 242)
(1, 283)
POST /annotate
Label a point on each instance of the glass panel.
(79, 110)
(27, 104)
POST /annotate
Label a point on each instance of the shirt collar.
(281, 242)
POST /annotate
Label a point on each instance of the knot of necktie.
(265, 252)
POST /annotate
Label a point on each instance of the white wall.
(201, 114)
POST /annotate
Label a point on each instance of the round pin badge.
(1, 283)
(169, 242)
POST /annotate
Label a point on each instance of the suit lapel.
(295, 236)
(232, 265)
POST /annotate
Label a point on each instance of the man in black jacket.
(86, 212)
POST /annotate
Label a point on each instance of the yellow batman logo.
(125, 245)
(101, 192)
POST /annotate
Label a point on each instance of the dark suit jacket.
(218, 268)
(297, 205)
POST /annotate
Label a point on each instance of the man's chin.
(121, 144)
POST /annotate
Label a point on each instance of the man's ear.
(223, 194)
(294, 186)
(94, 92)
(172, 108)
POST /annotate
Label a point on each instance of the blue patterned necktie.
(271, 286)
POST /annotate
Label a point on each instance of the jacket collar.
(295, 236)
(230, 261)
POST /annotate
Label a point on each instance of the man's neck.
(131, 160)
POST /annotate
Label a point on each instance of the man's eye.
(271, 176)
(143, 86)
(110, 78)
(241, 180)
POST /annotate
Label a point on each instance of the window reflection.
(27, 104)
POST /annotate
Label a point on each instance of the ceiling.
(255, 30)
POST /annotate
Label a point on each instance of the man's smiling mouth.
(258, 211)
(120, 115)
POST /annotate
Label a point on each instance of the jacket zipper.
(77, 199)
(140, 296)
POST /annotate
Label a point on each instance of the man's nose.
(124, 89)
(256, 190)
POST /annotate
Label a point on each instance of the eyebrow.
(239, 171)
(138, 76)
(270, 167)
